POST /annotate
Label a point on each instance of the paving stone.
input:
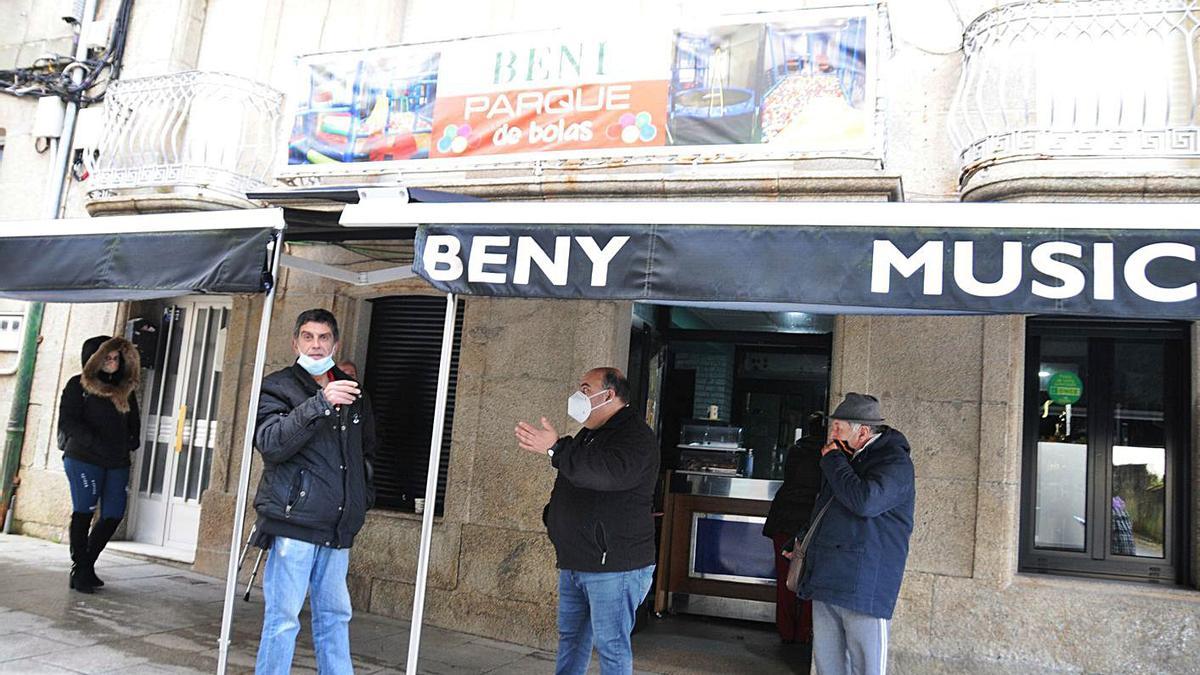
(23, 645)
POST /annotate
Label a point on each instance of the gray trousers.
(846, 642)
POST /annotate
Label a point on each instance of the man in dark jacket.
(855, 561)
(317, 438)
(599, 519)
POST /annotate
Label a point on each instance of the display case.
(709, 448)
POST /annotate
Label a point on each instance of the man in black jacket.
(317, 438)
(599, 519)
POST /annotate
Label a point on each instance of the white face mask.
(315, 367)
(579, 405)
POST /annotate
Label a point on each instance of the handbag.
(796, 568)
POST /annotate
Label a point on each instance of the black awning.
(109, 263)
(1135, 273)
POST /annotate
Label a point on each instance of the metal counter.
(709, 485)
(717, 561)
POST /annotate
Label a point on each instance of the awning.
(124, 258)
(1056, 259)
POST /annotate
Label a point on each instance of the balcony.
(1105, 88)
(185, 141)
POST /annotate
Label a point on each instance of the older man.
(599, 519)
(855, 561)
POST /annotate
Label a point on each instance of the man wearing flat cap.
(855, 558)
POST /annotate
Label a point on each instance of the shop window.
(401, 376)
(1105, 449)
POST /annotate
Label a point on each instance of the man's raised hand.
(533, 439)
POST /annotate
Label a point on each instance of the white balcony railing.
(187, 131)
(1078, 79)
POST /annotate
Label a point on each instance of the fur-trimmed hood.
(124, 382)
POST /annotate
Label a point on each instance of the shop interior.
(727, 391)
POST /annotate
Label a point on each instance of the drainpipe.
(14, 436)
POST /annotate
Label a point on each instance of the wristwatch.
(550, 451)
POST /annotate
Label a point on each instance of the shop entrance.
(727, 392)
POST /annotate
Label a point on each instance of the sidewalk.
(154, 618)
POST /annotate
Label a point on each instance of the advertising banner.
(792, 82)
(1100, 273)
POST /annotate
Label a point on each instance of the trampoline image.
(714, 87)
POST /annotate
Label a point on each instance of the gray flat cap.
(857, 407)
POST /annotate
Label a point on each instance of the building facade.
(1091, 101)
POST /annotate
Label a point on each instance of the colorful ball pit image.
(367, 110)
(632, 128)
(456, 139)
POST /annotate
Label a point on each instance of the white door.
(179, 425)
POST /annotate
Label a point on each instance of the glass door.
(180, 425)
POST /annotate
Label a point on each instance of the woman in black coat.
(790, 512)
(98, 427)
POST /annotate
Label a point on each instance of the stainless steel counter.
(708, 485)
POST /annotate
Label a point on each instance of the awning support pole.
(239, 509)
(431, 482)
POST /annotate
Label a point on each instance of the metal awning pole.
(239, 510)
(431, 481)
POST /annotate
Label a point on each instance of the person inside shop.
(316, 434)
(349, 368)
(599, 520)
(863, 520)
(98, 427)
(790, 512)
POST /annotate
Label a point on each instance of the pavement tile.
(533, 664)
(507, 646)
(474, 657)
(22, 645)
(31, 666)
(94, 659)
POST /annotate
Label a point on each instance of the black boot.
(80, 562)
(97, 540)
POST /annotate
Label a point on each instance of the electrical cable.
(51, 76)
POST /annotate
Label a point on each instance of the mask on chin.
(315, 367)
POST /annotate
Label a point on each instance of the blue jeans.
(90, 484)
(296, 569)
(598, 607)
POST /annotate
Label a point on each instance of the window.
(1105, 449)
(404, 351)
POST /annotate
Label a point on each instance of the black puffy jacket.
(600, 516)
(97, 412)
(316, 480)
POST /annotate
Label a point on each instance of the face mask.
(315, 367)
(579, 405)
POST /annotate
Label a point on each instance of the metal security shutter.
(401, 378)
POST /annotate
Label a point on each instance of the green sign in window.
(1065, 388)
